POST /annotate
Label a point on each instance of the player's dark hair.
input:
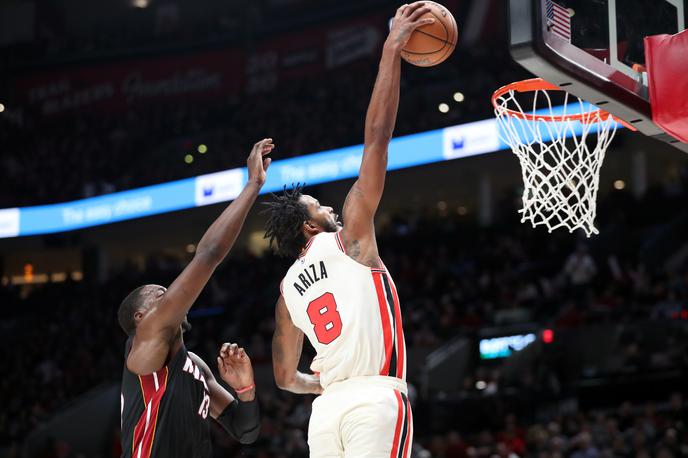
(286, 215)
(127, 309)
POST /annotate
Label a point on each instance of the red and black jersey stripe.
(160, 414)
(340, 243)
(390, 315)
(392, 327)
(399, 330)
(403, 431)
(153, 388)
(306, 247)
(390, 304)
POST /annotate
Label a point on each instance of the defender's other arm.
(239, 417)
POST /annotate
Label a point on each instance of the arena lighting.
(188, 158)
(480, 384)
(28, 273)
(58, 277)
(36, 279)
(619, 184)
(191, 248)
(2, 107)
(443, 107)
(462, 210)
(459, 97)
(504, 346)
(139, 3)
(202, 149)
(455, 142)
(548, 336)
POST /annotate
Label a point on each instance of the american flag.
(558, 20)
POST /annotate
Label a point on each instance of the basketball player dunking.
(339, 293)
(167, 391)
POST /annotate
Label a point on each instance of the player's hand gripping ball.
(428, 31)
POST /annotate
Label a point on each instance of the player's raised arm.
(156, 329)
(287, 343)
(363, 199)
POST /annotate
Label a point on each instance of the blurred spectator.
(468, 285)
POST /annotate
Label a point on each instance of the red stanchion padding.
(666, 58)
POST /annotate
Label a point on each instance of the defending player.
(167, 391)
(340, 295)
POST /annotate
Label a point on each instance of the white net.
(560, 160)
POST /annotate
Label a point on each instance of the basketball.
(432, 44)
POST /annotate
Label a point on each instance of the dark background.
(106, 96)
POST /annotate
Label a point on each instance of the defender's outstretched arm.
(154, 333)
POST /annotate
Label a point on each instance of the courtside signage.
(218, 187)
(502, 347)
(110, 208)
(471, 139)
(9, 222)
(343, 163)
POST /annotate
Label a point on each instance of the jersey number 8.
(327, 323)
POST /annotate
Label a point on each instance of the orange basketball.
(431, 44)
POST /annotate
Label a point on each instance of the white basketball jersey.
(349, 312)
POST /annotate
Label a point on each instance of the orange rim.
(538, 84)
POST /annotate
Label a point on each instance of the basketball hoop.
(560, 148)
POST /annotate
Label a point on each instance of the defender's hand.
(405, 22)
(257, 163)
(234, 366)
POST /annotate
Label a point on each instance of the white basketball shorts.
(362, 417)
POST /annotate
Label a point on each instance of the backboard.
(594, 49)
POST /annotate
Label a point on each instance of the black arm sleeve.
(241, 420)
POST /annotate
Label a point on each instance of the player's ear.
(310, 229)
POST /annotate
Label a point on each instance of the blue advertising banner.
(106, 209)
(450, 143)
